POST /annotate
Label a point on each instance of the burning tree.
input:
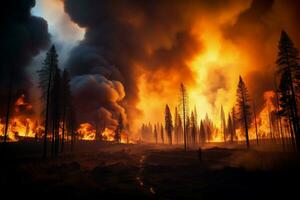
(289, 76)
(243, 107)
(168, 123)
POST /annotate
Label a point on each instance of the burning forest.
(120, 97)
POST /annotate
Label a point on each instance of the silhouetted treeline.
(58, 109)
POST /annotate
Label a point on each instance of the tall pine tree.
(46, 82)
(168, 123)
(244, 109)
(288, 70)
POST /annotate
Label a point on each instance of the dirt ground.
(148, 172)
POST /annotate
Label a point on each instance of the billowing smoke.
(97, 98)
(149, 47)
(257, 30)
(22, 37)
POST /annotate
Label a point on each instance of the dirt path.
(141, 179)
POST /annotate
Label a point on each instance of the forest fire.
(21, 127)
(137, 99)
(86, 131)
(22, 124)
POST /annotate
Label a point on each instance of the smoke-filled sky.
(130, 56)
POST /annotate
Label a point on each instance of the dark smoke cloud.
(22, 37)
(257, 29)
(125, 39)
(97, 98)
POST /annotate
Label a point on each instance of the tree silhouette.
(288, 70)
(9, 100)
(193, 129)
(72, 124)
(66, 101)
(119, 129)
(184, 110)
(180, 129)
(168, 123)
(46, 80)
(243, 107)
(230, 128)
(176, 125)
(234, 122)
(223, 123)
(56, 107)
(202, 133)
(155, 134)
(255, 122)
(162, 134)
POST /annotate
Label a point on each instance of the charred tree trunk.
(254, 111)
(278, 118)
(9, 99)
(47, 115)
(63, 131)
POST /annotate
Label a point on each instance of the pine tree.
(196, 124)
(244, 110)
(184, 109)
(162, 134)
(193, 129)
(9, 102)
(187, 130)
(202, 133)
(56, 107)
(155, 134)
(234, 122)
(288, 70)
(46, 82)
(230, 128)
(255, 122)
(66, 101)
(180, 129)
(119, 129)
(168, 123)
(71, 124)
(223, 123)
(176, 125)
